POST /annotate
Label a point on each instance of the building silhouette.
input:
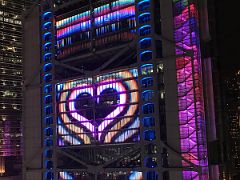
(117, 90)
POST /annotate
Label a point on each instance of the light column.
(190, 89)
(47, 82)
(148, 91)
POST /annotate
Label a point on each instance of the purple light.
(111, 84)
(98, 21)
(104, 128)
(123, 98)
(190, 93)
(84, 121)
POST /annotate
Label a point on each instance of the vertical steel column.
(47, 81)
(148, 91)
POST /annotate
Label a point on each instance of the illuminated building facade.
(10, 85)
(121, 91)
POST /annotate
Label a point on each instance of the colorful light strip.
(101, 10)
(65, 134)
(63, 175)
(97, 11)
(190, 93)
(98, 21)
(73, 19)
(114, 16)
(121, 3)
(83, 26)
(128, 133)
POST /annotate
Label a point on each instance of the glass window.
(146, 69)
(147, 82)
(147, 95)
(148, 108)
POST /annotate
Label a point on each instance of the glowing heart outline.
(65, 126)
(109, 83)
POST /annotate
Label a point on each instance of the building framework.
(121, 91)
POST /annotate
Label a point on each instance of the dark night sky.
(228, 30)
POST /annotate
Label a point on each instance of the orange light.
(2, 165)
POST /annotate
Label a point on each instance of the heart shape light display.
(83, 128)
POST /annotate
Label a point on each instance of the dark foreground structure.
(114, 90)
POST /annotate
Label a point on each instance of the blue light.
(145, 65)
(48, 131)
(59, 87)
(147, 51)
(145, 39)
(145, 78)
(46, 44)
(47, 96)
(46, 15)
(146, 13)
(48, 142)
(48, 99)
(48, 88)
(148, 121)
(147, 91)
(48, 120)
(47, 67)
(47, 54)
(143, 5)
(145, 26)
(149, 135)
(146, 55)
(47, 57)
(46, 34)
(48, 153)
(48, 106)
(143, 1)
(148, 104)
(48, 78)
(47, 25)
(48, 164)
(49, 175)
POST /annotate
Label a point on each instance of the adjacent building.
(11, 85)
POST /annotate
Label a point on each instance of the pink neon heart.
(109, 83)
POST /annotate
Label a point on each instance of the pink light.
(83, 26)
(84, 121)
(65, 118)
(190, 95)
(123, 98)
(134, 98)
(80, 88)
